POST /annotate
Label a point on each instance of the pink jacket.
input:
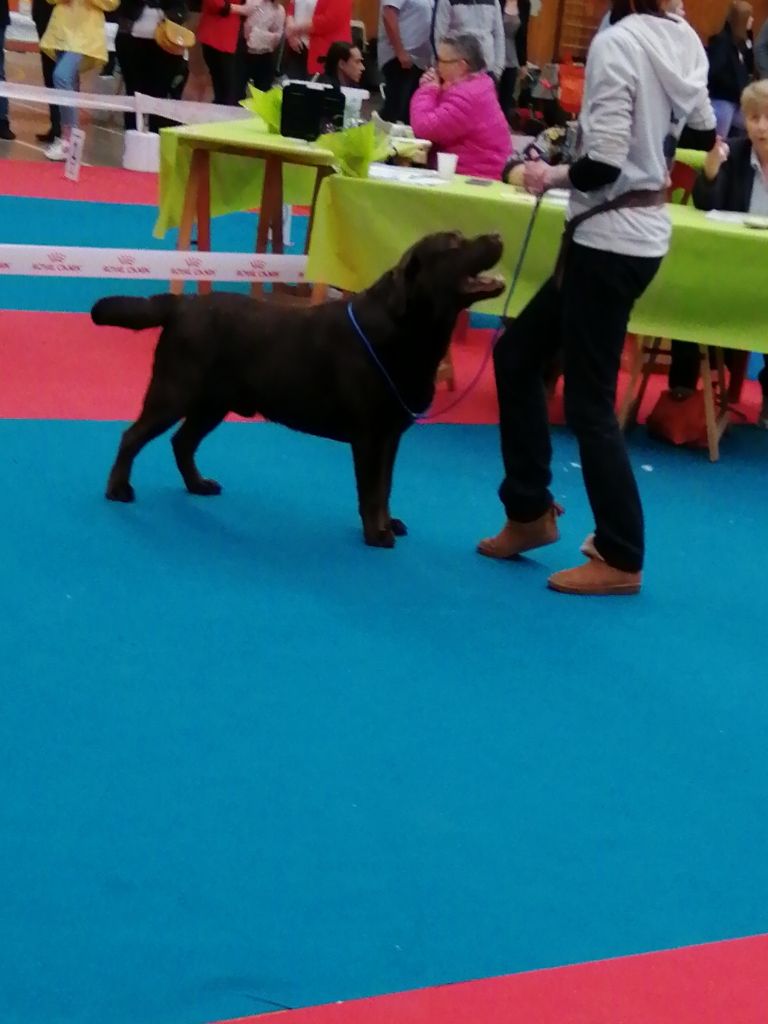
(465, 119)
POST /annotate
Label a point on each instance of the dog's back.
(299, 366)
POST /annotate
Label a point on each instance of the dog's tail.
(135, 313)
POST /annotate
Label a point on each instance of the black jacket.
(732, 188)
(131, 10)
(729, 66)
(5, 17)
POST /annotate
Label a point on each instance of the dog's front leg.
(397, 526)
(374, 459)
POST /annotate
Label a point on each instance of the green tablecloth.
(692, 157)
(709, 289)
(236, 181)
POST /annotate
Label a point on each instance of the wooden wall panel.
(542, 31)
(706, 16)
(367, 11)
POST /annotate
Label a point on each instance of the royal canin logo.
(56, 263)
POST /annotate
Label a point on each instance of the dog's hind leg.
(186, 441)
(154, 420)
(373, 471)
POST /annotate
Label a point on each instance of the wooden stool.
(648, 351)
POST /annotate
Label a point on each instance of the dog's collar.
(380, 366)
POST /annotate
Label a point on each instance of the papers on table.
(748, 220)
(409, 175)
(726, 217)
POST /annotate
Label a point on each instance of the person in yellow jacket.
(76, 39)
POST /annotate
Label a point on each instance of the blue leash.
(424, 414)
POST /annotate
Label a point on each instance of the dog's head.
(447, 271)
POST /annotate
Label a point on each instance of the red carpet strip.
(60, 366)
(722, 983)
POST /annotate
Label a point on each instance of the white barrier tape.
(150, 264)
(65, 98)
(183, 111)
(187, 111)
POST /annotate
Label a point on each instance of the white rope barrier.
(150, 264)
(183, 111)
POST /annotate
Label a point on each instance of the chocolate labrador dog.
(351, 371)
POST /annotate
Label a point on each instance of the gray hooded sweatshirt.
(646, 79)
(479, 18)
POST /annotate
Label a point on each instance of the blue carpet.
(247, 759)
(58, 222)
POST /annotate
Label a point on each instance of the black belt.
(638, 199)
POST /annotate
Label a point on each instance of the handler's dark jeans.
(586, 318)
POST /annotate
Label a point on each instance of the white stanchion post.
(74, 159)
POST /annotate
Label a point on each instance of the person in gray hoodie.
(479, 18)
(646, 78)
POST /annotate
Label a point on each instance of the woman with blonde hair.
(731, 64)
(734, 178)
(76, 40)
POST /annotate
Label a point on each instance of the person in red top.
(329, 22)
(218, 34)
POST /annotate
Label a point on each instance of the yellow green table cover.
(236, 181)
(710, 288)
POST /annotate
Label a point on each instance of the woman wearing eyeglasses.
(457, 109)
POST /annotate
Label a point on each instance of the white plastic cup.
(353, 108)
(446, 165)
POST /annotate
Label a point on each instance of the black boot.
(5, 132)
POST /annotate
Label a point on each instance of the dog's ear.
(401, 283)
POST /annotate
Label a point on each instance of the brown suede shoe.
(517, 538)
(596, 579)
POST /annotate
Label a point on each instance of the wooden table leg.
(717, 415)
(189, 212)
(204, 212)
(709, 406)
(270, 213)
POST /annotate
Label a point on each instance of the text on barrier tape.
(149, 264)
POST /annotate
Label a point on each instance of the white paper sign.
(75, 155)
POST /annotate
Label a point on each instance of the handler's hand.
(537, 177)
(716, 157)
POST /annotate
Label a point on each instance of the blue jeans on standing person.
(3, 101)
(66, 75)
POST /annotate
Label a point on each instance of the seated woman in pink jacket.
(456, 108)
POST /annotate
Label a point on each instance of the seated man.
(735, 177)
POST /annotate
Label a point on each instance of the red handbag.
(679, 420)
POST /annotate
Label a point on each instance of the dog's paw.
(206, 488)
(121, 492)
(380, 539)
(398, 527)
